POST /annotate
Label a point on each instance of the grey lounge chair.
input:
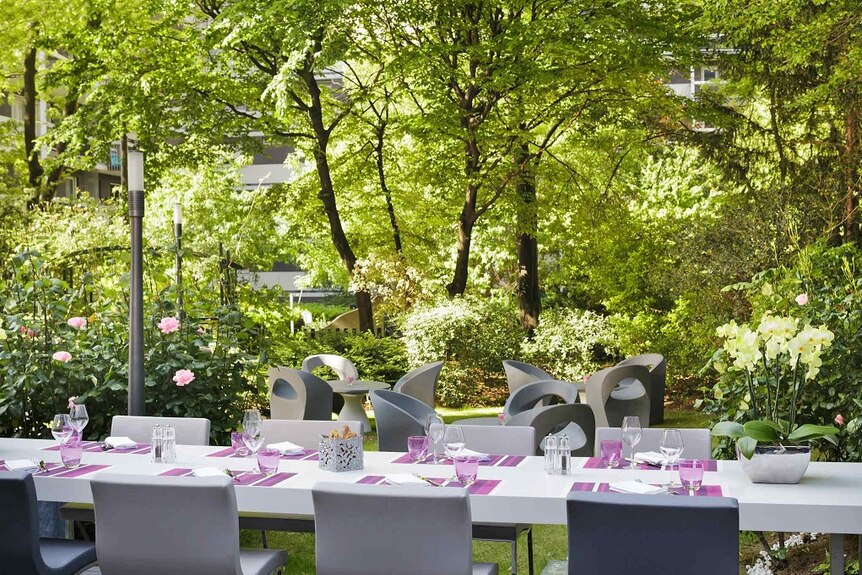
(396, 530)
(611, 404)
(657, 366)
(698, 442)
(576, 420)
(295, 394)
(519, 373)
(421, 383)
(22, 552)
(188, 525)
(342, 366)
(541, 392)
(189, 430)
(398, 416)
(620, 534)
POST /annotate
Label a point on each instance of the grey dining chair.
(698, 442)
(576, 420)
(22, 552)
(657, 366)
(610, 403)
(295, 394)
(541, 392)
(421, 383)
(620, 534)
(189, 430)
(188, 525)
(519, 373)
(398, 416)
(342, 366)
(382, 521)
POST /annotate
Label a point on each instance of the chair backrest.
(19, 525)
(303, 433)
(574, 419)
(614, 533)
(295, 394)
(397, 416)
(500, 439)
(400, 530)
(421, 383)
(153, 524)
(657, 366)
(519, 373)
(600, 385)
(189, 430)
(342, 366)
(698, 442)
(532, 394)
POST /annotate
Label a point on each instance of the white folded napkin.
(21, 465)
(650, 458)
(286, 448)
(480, 456)
(404, 479)
(120, 442)
(207, 472)
(635, 487)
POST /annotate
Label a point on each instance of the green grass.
(549, 540)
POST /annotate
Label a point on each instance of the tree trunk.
(851, 232)
(529, 298)
(57, 172)
(467, 219)
(387, 194)
(34, 166)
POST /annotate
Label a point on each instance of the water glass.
(70, 453)
(267, 461)
(417, 447)
(612, 452)
(631, 433)
(691, 474)
(237, 444)
(466, 469)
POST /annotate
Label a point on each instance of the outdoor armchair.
(295, 394)
(421, 383)
(398, 416)
(657, 366)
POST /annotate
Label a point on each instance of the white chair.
(304, 433)
(342, 366)
(189, 430)
(698, 442)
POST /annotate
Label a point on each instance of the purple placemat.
(704, 491)
(494, 461)
(242, 478)
(306, 455)
(96, 447)
(596, 463)
(59, 470)
(478, 487)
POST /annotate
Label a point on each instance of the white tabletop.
(358, 386)
(828, 500)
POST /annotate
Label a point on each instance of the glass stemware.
(434, 429)
(671, 447)
(61, 428)
(631, 434)
(253, 442)
(251, 422)
(78, 418)
(453, 440)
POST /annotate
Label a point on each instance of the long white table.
(828, 500)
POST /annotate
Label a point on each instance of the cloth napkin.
(286, 448)
(650, 458)
(478, 455)
(635, 487)
(21, 465)
(207, 472)
(404, 479)
(120, 442)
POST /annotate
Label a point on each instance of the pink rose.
(72, 401)
(206, 348)
(201, 331)
(184, 377)
(77, 322)
(61, 356)
(802, 299)
(839, 419)
(586, 378)
(169, 324)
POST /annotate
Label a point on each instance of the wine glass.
(253, 441)
(78, 418)
(453, 440)
(251, 422)
(631, 434)
(434, 429)
(671, 447)
(61, 428)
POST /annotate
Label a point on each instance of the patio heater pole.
(178, 234)
(135, 184)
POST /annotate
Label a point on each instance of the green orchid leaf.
(762, 430)
(810, 431)
(728, 429)
(746, 446)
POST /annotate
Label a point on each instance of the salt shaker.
(564, 456)
(550, 453)
(169, 445)
(156, 444)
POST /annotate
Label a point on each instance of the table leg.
(352, 410)
(836, 554)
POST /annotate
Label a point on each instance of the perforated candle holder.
(341, 454)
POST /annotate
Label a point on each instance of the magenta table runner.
(704, 491)
(596, 463)
(494, 461)
(478, 487)
(96, 447)
(59, 470)
(306, 455)
(244, 478)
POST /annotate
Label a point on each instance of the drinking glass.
(671, 447)
(253, 441)
(434, 429)
(417, 447)
(632, 433)
(691, 474)
(612, 452)
(453, 440)
(237, 444)
(70, 453)
(267, 461)
(78, 418)
(466, 469)
(61, 428)
(251, 422)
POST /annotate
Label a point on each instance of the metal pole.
(178, 234)
(136, 285)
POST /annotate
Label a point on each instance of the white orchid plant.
(776, 358)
